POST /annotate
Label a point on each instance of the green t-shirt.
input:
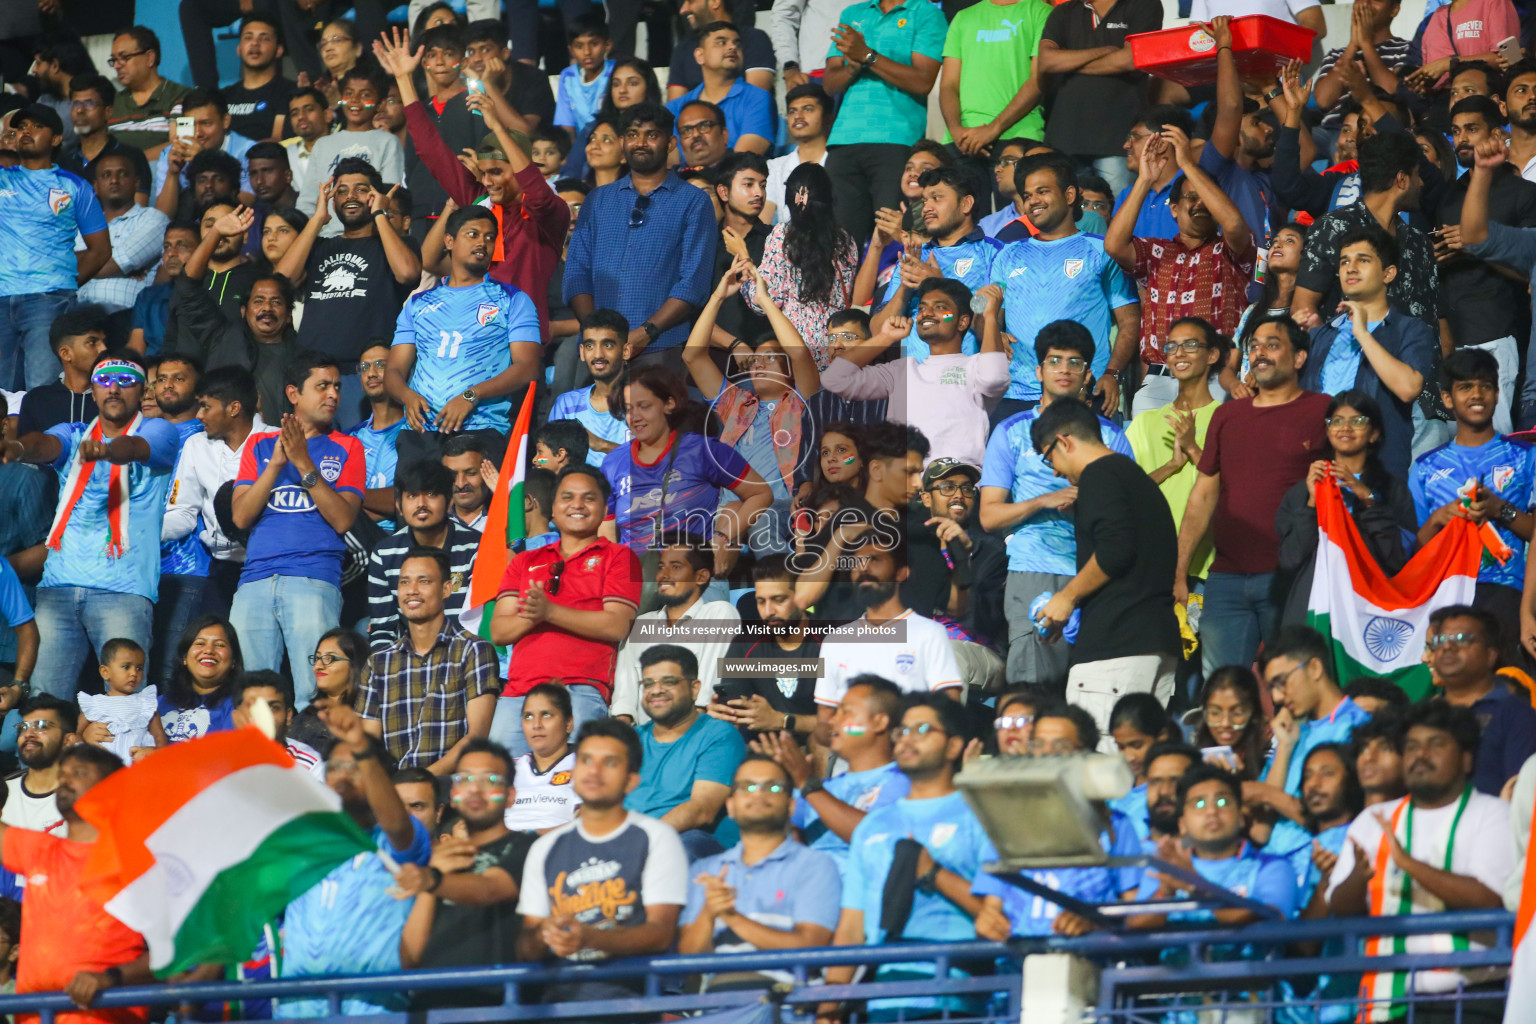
(1151, 440)
(995, 44)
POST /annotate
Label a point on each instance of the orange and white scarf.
(118, 492)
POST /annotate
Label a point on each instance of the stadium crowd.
(854, 454)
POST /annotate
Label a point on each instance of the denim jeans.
(1239, 612)
(26, 360)
(182, 598)
(285, 611)
(507, 727)
(74, 623)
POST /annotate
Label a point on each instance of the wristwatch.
(652, 332)
(1508, 514)
(812, 785)
(791, 65)
(381, 213)
(470, 396)
(309, 479)
(926, 882)
(869, 60)
(789, 723)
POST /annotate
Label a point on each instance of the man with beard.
(768, 891)
(377, 433)
(258, 102)
(102, 573)
(1255, 450)
(298, 492)
(1376, 753)
(689, 757)
(772, 700)
(42, 209)
(275, 691)
(354, 283)
(951, 849)
(644, 245)
(77, 338)
(467, 915)
(1519, 102)
(210, 134)
(1166, 764)
(271, 185)
(425, 489)
(1444, 847)
(1331, 797)
(463, 352)
(684, 571)
(1203, 270)
(751, 120)
(216, 266)
(89, 108)
(702, 141)
(1213, 846)
(350, 922)
(953, 560)
(136, 233)
(1483, 307)
(603, 337)
(72, 942)
(1465, 652)
(1242, 136)
(183, 560)
(309, 117)
(152, 309)
(46, 728)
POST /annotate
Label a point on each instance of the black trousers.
(865, 176)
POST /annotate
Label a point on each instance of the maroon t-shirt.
(1260, 452)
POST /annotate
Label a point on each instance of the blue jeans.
(182, 598)
(74, 623)
(1240, 611)
(285, 611)
(26, 360)
(507, 727)
(1113, 170)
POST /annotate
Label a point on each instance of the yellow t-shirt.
(1151, 440)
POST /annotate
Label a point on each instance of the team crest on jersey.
(942, 833)
(591, 562)
(905, 662)
(455, 583)
(1071, 267)
(963, 267)
(560, 779)
(59, 200)
(1502, 475)
(330, 468)
(486, 313)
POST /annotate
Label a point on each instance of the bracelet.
(1220, 48)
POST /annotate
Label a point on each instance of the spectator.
(1446, 35)
(45, 729)
(648, 890)
(689, 757)
(425, 489)
(183, 560)
(16, 612)
(1470, 390)
(223, 226)
(1232, 716)
(1515, 99)
(807, 120)
(950, 850)
(1155, 217)
(1242, 136)
(663, 228)
(569, 605)
(439, 52)
(141, 112)
(957, 567)
(137, 234)
(351, 923)
(524, 86)
(275, 691)
(377, 434)
(298, 493)
(1463, 653)
(432, 691)
(1088, 286)
(309, 117)
(463, 455)
(151, 310)
(1376, 695)
(258, 101)
(1376, 752)
(604, 335)
(1202, 271)
(1021, 494)
(1331, 799)
(544, 797)
(90, 107)
(1256, 448)
(1457, 858)
(1379, 53)
(1166, 764)
(768, 891)
(418, 792)
(77, 338)
(39, 272)
(632, 81)
(173, 171)
(584, 82)
(757, 50)
(751, 120)
(560, 443)
(272, 187)
(1128, 636)
(340, 662)
(199, 697)
(771, 701)
(72, 942)
(1137, 723)
(102, 573)
(357, 139)
(683, 574)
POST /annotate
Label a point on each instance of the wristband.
(367, 754)
(812, 785)
(437, 878)
(381, 213)
(114, 975)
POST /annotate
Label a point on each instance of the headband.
(119, 366)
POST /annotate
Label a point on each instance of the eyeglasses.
(846, 337)
(949, 487)
(1013, 722)
(326, 659)
(1271, 346)
(1238, 717)
(118, 59)
(336, 40)
(1101, 205)
(489, 779)
(1188, 347)
(341, 767)
(668, 681)
(1074, 363)
(1203, 802)
(920, 729)
(685, 131)
(1052, 748)
(84, 104)
(377, 364)
(36, 725)
(120, 380)
(1348, 421)
(1006, 161)
(1279, 681)
(757, 787)
(1045, 453)
(555, 572)
(1456, 640)
(637, 215)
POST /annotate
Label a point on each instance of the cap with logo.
(938, 469)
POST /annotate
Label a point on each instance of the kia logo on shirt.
(290, 498)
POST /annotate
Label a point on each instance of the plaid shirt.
(137, 238)
(1209, 282)
(423, 700)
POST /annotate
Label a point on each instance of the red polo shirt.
(600, 572)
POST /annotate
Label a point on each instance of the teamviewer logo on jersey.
(486, 313)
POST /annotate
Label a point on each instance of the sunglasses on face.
(118, 380)
(759, 787)
(488, 779)
(1013, 722)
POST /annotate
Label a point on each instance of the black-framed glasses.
(327, 659)
(1006, 161)
(948, 489)
(555, 572)
(1045, 453)
(697, 128)
(123, 58)
(1189, 347)
(1456, 640)
(637, 213)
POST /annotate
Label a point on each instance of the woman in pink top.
(1464, 30)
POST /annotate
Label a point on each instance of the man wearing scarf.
(103, 569)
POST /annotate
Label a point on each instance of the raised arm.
(696, 354)
(1223, 210)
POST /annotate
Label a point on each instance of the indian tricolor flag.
(204, 842)
(504, 526)
(1377, 621)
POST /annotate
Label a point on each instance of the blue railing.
(1134, 967)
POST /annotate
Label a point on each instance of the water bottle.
(1068, 631)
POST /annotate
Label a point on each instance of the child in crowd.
(125, 719)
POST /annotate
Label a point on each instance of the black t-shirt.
(789, 694)
(1480, 303)
(51, 404)
(530, 94)
(470, 936)
(72, 160)
(1114, 100)
(985, 564)
(735, 315)
(251, 110)
(756, 52)
(351, 297)
(1120, 521)
(460, 130)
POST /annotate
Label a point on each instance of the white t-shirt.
(308, 758)
(30, 811)
(649, 630)
(542, 801)
(1482, 851)
(1285, 10)
(920, 661)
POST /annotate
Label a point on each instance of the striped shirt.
(384, 626)
(422, 700)
(137, 238)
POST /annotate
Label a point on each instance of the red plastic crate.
(1187, 55)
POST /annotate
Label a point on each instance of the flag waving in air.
(202, 844)
(1377, 622)
(504, 527)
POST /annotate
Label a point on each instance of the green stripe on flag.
(1413, 680)
(517, 527)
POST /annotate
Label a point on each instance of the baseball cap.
(42, 115)
(938, 469)
(491, 149)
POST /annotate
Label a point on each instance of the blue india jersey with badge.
(577, 405)
(1067, 279)
(863, 791)
(187, 556)
(1505, 466)
(40, 214)
(462, 338)
(968, 261)
(380, 458)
